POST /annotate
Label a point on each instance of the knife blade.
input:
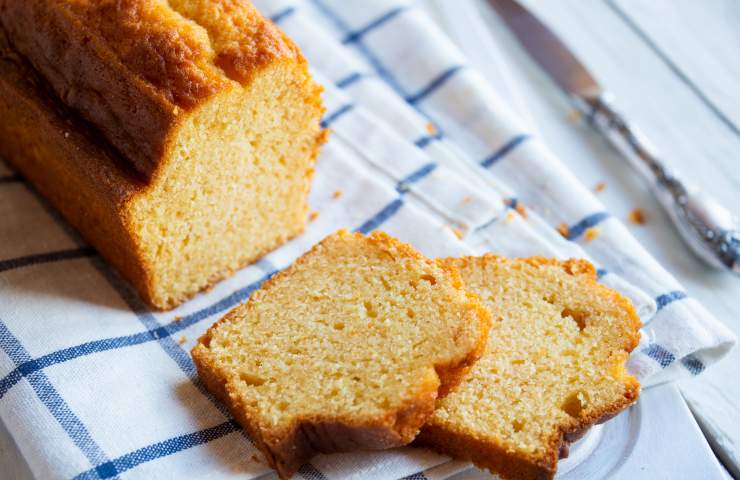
(709, 229)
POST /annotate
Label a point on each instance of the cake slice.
(553, 366)
(347, 349)
(179, 136)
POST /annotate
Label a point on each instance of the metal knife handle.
(711, 230)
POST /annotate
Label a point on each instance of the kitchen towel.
(93, 385)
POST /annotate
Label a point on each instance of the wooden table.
(675, 68)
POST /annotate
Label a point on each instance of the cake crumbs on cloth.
(574, 116)
(178, 318)
(564, 230)
(521, 210)
(337, 194)
(313, 215)
(466, 200)
(636, 216)
(431, 128)
(509, 216)
(182, 340)
(458, 233)
(591, 233)
(600, 187)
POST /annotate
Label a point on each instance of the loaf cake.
(347, 349)
(177, 136)
(553, 366)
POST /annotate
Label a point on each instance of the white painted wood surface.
(674, 66)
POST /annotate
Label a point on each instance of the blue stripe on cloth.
(433, 85)
(670, 297)
(379, 218)
(28, 260)
(356, 35)
(350, 79)
(282, 14)
(403, 185)
(371, 58)
(130, 460)
(48, 395)
(577, 229)
(10, 179)
(659, 354)
(693, 364)
(88, 348)
(416, 476)
(309, 472)
(504, 150)
(332, 117)
(425, 140)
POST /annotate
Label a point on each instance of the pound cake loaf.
(347, 349)
(553, 366)
(178, 136)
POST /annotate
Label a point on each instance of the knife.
(711, 230)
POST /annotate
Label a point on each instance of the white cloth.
(92, 385)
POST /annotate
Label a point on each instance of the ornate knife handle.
(711, 230)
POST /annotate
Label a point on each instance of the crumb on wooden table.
(431, 128)
(600, 187)
(564, 230)
(636, 216)
(337, 194)
(592, 233)
(313, 215)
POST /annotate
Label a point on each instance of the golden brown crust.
(308, 436)
(466, 445)
(135, 68)
(80, 173)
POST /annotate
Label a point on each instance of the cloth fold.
(92, 385)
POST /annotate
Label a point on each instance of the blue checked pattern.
(76, 339)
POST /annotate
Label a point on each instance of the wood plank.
(700, 39)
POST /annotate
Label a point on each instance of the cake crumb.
(574, 116)
(564, 230)
(509, 216)
(313, 215)
(431, 128)
(591, 233)
(600, 187)
(182, 340)
(521, 210)
(337, 194)
(466, 200)
(458, 233)
(637, 217)
(178, 318)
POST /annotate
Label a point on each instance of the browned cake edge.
(135, 68)
(312, 435)
(82, 176)
(464, 446)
